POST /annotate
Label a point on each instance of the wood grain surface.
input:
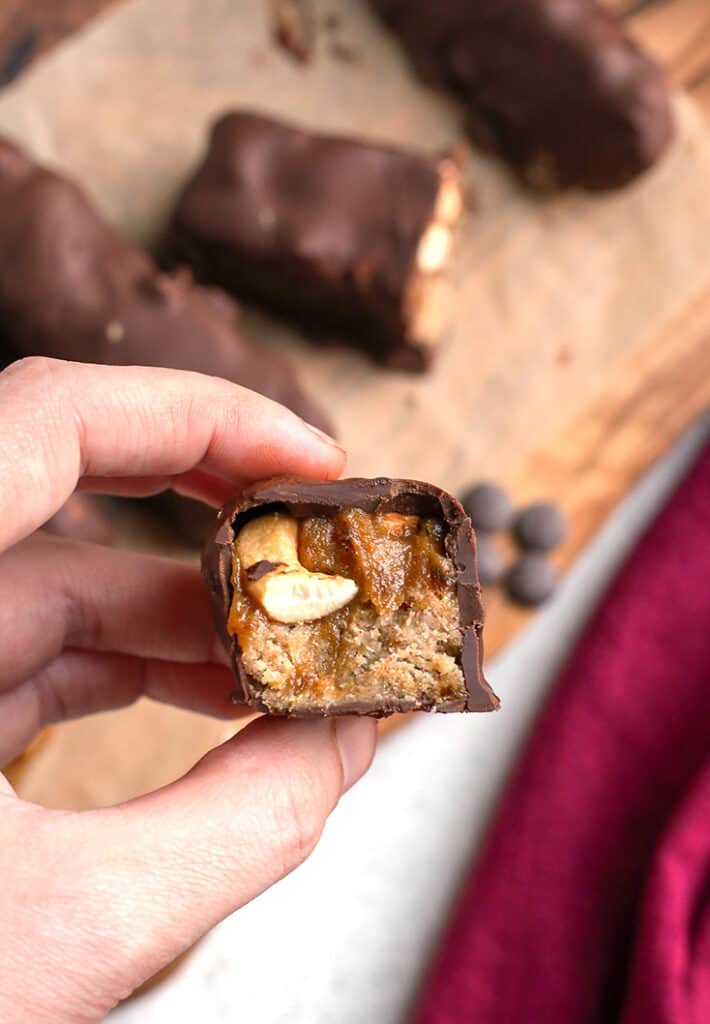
(621, 429)
(605, 406)
(596, 459)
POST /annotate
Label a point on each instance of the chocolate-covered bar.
(349, 597)
(555, 86)
(345, 236)
(72, 288)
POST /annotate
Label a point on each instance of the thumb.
(104, 899)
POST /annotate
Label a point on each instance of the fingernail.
(356, 739)
(322, 436)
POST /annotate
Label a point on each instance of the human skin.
(95, 902)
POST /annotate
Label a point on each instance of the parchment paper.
(552, 294)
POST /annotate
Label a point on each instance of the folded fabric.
(590, 901)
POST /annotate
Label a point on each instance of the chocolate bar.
(72, 288)
(554, 86)
(349, 597)
(344, 236)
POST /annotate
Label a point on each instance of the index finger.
(61, 421)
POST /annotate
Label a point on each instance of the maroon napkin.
(591, 899)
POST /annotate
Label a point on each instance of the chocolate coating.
(541, 526)
(321, 229)
(532, 580)
(71, 288)
(303, 497)
(554, 86)
(489, 507)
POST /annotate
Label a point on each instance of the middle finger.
(56, 593)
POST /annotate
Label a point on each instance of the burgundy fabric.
(590, 901)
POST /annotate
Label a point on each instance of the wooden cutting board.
(581, 339)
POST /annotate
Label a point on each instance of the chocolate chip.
(489, 561)
(488, 507)
(541, 526)
(531, 580)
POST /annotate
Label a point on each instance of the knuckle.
(297, 818)
(228, 420)
(40, 385)
(180, 419)
(34, 371)
(40, 453)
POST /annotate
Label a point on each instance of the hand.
(94, 903)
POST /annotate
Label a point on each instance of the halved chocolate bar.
(555, 86)
(343, 235)
(349, 597)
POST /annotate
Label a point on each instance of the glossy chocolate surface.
(319, 228)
